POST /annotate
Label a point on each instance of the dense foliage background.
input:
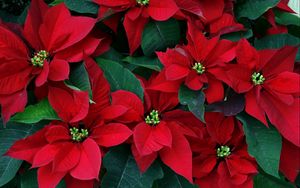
(262, 23)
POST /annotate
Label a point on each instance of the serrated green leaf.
(8, 135)
(123, 172)
(79, 78)
(120, 77)
(263, 143)
(147, 62)
(82, 6)
(157, 36)
(194, 100)
(173, 180)
(253, 9)
(35, 113)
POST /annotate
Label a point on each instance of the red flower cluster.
(38, 57)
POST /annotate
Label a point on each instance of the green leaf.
(13, 132)
(147, 62)
(284, 18)
(263, 143)
(253, 9)
(35, 113)
(29, 179)
(263, 180)
(173, 180)
(56, 2)
(120, 77)
(236, 36)
(79, 78)
(116, 56)
(157, 36)
(113, 55)
(276, 41)
(194, 100)
(82, 6)
(123, 172)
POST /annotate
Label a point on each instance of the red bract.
(271, 87)
(221, 159)
(54, 40)
(206, 10)
(157, 132)
(59, 150)
(198, 63)
(137, 15)
(290, 160)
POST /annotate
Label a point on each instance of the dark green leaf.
(194, 100)
(297, 181)
(276, 41)
(82, 6)
(147, 62)
(36, 113)
(236, 36)
(263, 180)
(173, 180)
(253, 9)
(79, 78)
(123, 172)
(263, 143)
(120, 77)
(5, 16)
(8, 135)
(284, 18)
(56, 2)
(157, 36)
(114, 55)
(28, 179)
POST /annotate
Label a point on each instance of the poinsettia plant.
(150, 93)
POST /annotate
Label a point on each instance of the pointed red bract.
(166, 138)
(52, 31)
(277, 94)
(137, 16)
(234, 168)
(70, 105)
(197, 64)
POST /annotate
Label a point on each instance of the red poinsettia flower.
(137, 15)
(271, 86)
(221, 158)
(54, 40)
(157, 129)
(72, 152)
(198, 63)
(59, 150)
